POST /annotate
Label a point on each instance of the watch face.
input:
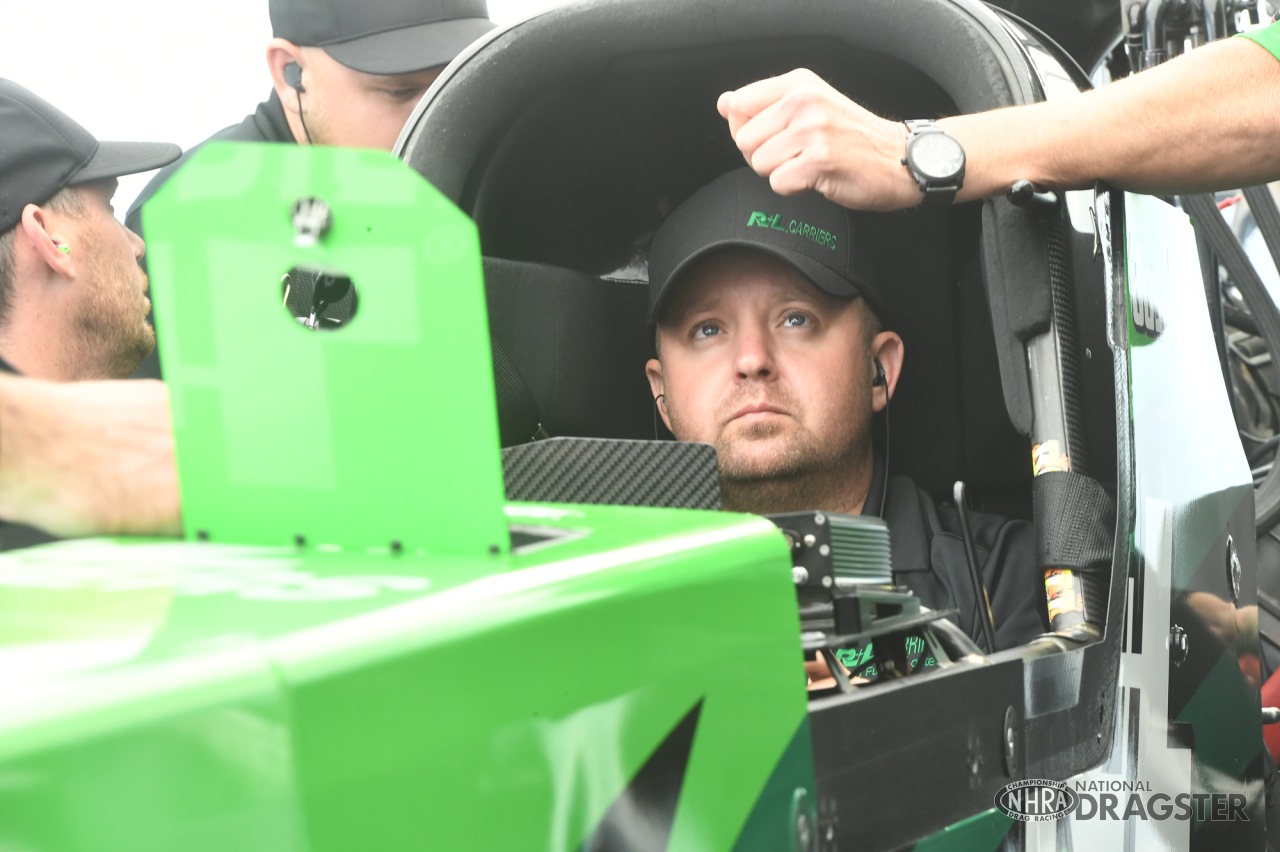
(937, 155)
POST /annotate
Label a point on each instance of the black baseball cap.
(42, 151)
(807, 232)
(383, 36)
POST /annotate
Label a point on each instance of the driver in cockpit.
(769, 346)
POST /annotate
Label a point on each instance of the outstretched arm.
(88, 458)
(1209, 119)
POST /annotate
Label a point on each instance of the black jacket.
(266, 124)
(927, 549)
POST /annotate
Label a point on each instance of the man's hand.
(88, 458)
(802, 134)
(1206, 120)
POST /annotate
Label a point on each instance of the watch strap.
(935, 194)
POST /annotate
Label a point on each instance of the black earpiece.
(293, 76)
(879, 380)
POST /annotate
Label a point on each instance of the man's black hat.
(383, 36)
(42, 151)
(807, 232)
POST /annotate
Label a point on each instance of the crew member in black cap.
(348, 72)
(769, 348)
(73, 301)
(84, 457)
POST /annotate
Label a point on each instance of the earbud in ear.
(293, 77)
(879, 380)
(658, 402)
(63, 247)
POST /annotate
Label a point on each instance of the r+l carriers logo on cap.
(821, 236)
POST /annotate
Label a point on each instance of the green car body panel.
(248, 692)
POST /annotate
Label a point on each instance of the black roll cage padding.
(1013, 240)
(1074, 527)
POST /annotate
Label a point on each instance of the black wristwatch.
(935, 160)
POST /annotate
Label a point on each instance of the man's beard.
(801, 474)
(113, 335)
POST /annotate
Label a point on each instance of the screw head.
(312, 219)
(804, 831)
(799, 575)
(804, 818)
(1179, 646)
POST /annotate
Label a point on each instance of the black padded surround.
(958, 43)
(580, 344)
(589, 170)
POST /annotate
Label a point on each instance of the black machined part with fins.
(831, 550)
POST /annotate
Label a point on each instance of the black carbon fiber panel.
(613, 472)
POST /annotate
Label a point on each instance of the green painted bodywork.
(384, 430)
(246, 693)
(258, 698)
